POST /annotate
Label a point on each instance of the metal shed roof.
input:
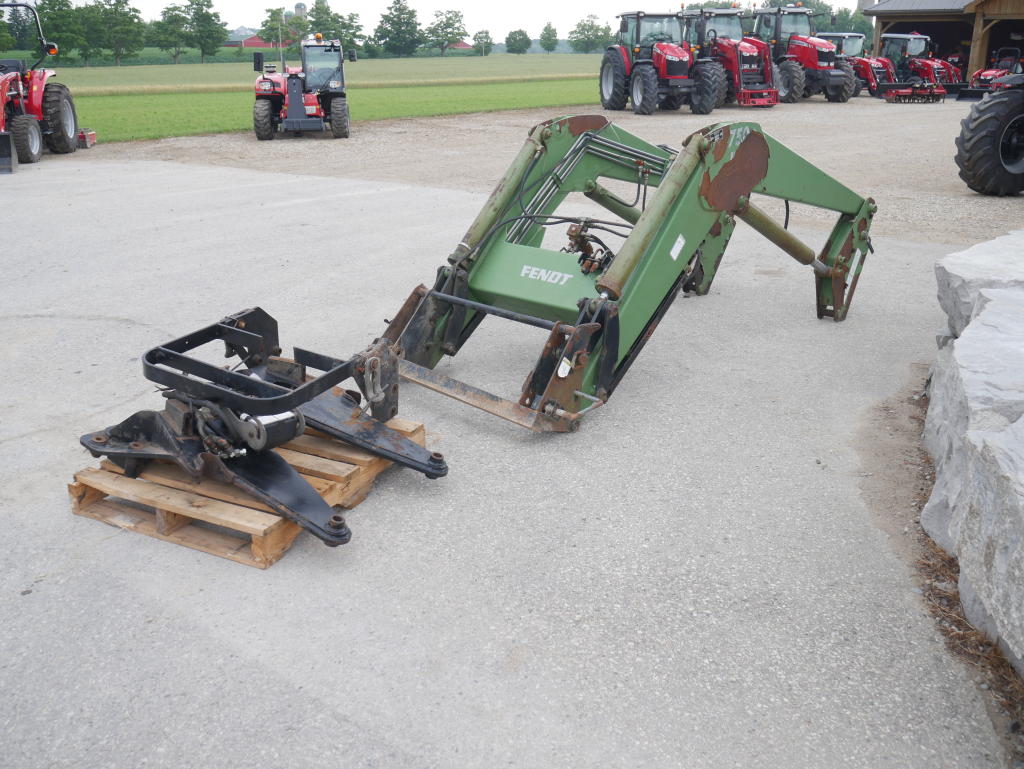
(894, 7)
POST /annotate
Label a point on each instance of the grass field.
(152, 116)
(151, 102)
(365, 73)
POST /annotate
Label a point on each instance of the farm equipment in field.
(990, 148)
(35, 111)
(602, 294)
(1006, 61)
(869, 71)
(717, 33)
(807, 65)
(225, 424)
(651, 66)
(309, 97)
(910, 57)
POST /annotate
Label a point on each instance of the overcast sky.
(497, 17)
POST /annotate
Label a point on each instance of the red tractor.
(911, 58)
(807, 64)
(990, 148)
(34, 111)
(652, 66)
(717, 33)
(869, 71)
(305, 98)
(1006, 61)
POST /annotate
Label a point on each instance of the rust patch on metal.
(716, 228)
(582, 123)
(739, 176)
(721, 145)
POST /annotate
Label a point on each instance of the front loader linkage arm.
(225, 423)
(601, 298)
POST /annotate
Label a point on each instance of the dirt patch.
(897, 480)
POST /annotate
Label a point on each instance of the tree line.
(102, 27)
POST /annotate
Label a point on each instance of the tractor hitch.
(224, 423)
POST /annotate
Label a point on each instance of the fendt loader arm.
(601, 304)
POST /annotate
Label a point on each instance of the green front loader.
(604, 292)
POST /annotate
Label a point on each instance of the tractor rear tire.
(842, 93)
(858, 86)
(27, 135)
(791, 82)
(643, 90)
(339, 118)
(990, 148)
(613, 82)
(708, 88)
(61, 118)
(263, 119)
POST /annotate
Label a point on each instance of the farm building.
(975, 26)
(252, 41)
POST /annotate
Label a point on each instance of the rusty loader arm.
(604, 292)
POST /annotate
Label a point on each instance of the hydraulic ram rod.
(784, 239)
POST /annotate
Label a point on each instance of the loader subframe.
(601, 304)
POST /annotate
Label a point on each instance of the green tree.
(92, 21)
(399, 30)
(125, 31)
(7, 40)
(448, 28)
(588, 35)
(517, 41)
(22, 28)
(482, 42)
(851, 20)
(205, 29)
(549, 38)
(170, 32)
(61, 25)
(280, 27)
(335, 26)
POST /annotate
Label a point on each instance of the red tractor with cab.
(1006, 61)
(869, 71)
(35, 112)
(717, 33)
(807, 64)
(911, 58)
(652, 66)
(309, 97)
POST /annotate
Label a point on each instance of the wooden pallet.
(163, 502)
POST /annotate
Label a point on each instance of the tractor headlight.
(334, 84)
(265, 85)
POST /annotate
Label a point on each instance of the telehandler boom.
(602, 303)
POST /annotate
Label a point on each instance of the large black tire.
(61, 118)
(27, 136)
(672, 100)
(708, 87)
(643, 90)
(339, 118)
(791, 82)
(613, 83)
(858, 86)
(842, 93)
(990, 147)
(263, 119)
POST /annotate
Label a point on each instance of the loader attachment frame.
(599, 303)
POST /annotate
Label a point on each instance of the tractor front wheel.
(643, 90)
(708, 88)
(858, 86)
(614, 83)
(263, 119)
(990, 148)
(791, 82)
(28, 138)
(339, 118)
(842, 93)
(59, 111)
(672, 101)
